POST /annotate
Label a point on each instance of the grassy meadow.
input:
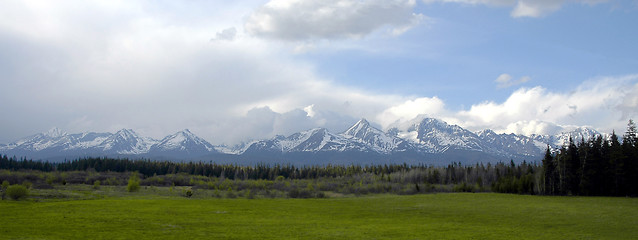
(80, 212)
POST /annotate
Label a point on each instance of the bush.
(96, 184)
(49, 180)
(16, 192)
(296, 193)
(250, 194)
(188, 192)
(133, 183)
(217, 194)
(320, 195)
(464, 188)
(5, 184)
(230, 194)
(112, 181)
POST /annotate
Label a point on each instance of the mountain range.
(421, 141)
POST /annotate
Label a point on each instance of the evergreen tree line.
(283, 179)
(230, 171)
(598, 167)
(499, 177)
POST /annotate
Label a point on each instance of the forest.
(601, 166)
(598, 167)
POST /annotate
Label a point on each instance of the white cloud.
(532, 127)
(604, 102)
(505, 80)
(523, 8)
(410, 109)
(264, 123)
(629, 105)
(301, 20)
(309, 111)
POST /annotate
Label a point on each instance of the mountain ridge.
(420, 141)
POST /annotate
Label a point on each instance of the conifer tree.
(572, 169)
(630, 154)
(616, 161)
(549, 169)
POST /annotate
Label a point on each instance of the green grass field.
(433, 216)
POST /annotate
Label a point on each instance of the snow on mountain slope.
(126, 141)
(88, 140)
(314, 140)
(39, 141)
(414, 139)
(437, 136)
(183, 142)
(378, 140)
(509, 144)
(562, 139)
(320, 139)
(123, 142)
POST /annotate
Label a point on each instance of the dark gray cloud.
(227, 34)
(330, 19)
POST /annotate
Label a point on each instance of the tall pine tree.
(549, 169)
(630, 154)
(616, 161)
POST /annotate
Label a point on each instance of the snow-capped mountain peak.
(127, 141)
(562, 139)
(183, 142)
(440, 136)
(54, 133)
(416, 140)
(358, 129)
(379, 141)
(486, 133)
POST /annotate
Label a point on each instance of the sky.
(232, 71)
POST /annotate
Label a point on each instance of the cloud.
(523, 8)
(309, 111)
(263, 123)
(147, 71)
(227, 34)
(532, 127)
(122, 64)
(505, 80)
(302, 20)
(629, 104)
(410, 109)
(606, 103)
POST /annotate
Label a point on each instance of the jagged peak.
(433, 123)
(319, 129)
(55, 132)
(363, 121)
(486, 132)
(183, 137)
(436, 121)
(185, 133)
(362, 124)
(126, 131)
